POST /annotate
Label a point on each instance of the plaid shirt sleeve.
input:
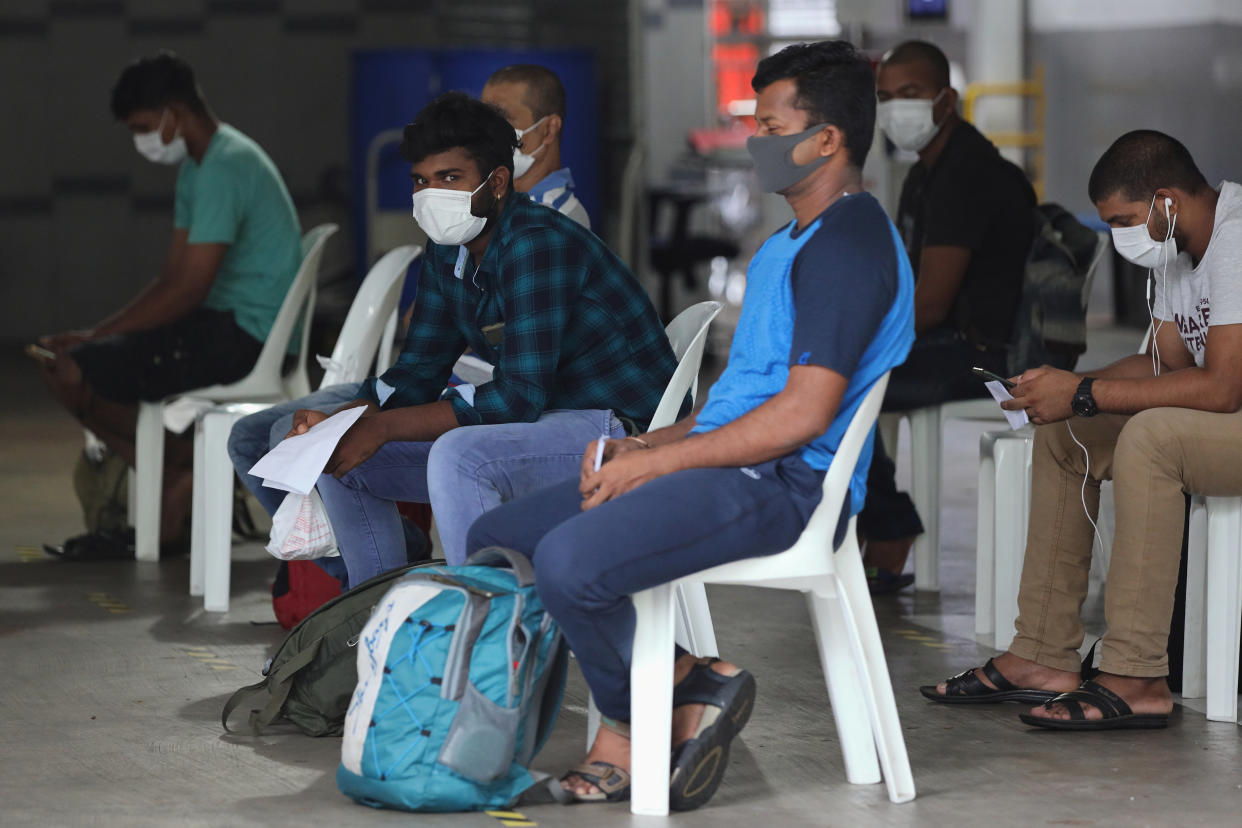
(545, 274)
(431, 346)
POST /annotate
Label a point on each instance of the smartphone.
(39, 353)
(988, 376)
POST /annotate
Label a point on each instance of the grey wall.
(84, 221)
(1186, 81)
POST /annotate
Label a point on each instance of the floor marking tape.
(512, 819)
(106, 602)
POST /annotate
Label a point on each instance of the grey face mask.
(773, 157)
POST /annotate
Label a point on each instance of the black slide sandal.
(966, 688)
(1117, 715)
(698, 764)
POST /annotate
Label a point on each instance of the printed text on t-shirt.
(1194, 331)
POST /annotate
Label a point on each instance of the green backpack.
(310, 678)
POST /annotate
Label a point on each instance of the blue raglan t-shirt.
(838, 294)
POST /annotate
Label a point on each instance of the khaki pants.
(1152, 458)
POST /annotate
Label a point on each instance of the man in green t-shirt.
(235, 250)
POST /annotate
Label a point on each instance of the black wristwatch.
(1083, 403)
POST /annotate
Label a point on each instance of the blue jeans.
(253, 436)
(466, 472)
(587, 564)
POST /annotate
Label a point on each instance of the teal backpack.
(460, 676)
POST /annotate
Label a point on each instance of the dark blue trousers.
(587, 564)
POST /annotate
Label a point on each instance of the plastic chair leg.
(131, 498)
(869, 655)
(1194, 668)
(198, 512)
(985, 540)
(149, 463)
(694, 620)
(925, 491)
(846, 690)
(888, 426)
(592, 721)
(217, 480)
(1224, 606)
(1012, 505)
(651, 701)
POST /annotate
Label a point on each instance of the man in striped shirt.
(533, 102)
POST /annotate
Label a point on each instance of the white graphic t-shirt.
(1194, 298)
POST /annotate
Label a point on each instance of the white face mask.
(522, 161)
(445, 215)
(908, 122)
(151, 146)
(1135, 244)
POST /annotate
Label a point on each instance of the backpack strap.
(282, 680)
(519, 563)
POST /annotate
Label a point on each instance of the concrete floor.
(113, 679)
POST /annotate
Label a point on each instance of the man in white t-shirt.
(1156, 424)
(532, 100)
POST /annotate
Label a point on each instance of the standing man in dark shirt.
(967, 219)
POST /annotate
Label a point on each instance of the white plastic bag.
(300, 529)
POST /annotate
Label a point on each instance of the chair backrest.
(625, 241)
(687, 334)
(368, 317)
(306, 288)
(837, 480)
(265, 380)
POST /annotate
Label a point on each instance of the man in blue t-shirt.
(828, 311)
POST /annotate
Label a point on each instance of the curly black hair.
(835, 86)
(457, 120)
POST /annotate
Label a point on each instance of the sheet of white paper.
(296, 463)
(1016, 419)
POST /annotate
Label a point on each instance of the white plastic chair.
(266, 381)
(687, 334)
(926, 455)
(1003, 515)
(370, 322)
(849, 643)
(1213, 605)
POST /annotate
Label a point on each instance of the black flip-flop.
(966, 688)
(92, 546)
(698, 764)
(882, 582)
(1117, 715)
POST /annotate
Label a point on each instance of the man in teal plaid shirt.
(578, 348)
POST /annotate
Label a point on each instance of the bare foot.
(1026, 674)
(1144, 695)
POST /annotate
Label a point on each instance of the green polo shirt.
(235, 196)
